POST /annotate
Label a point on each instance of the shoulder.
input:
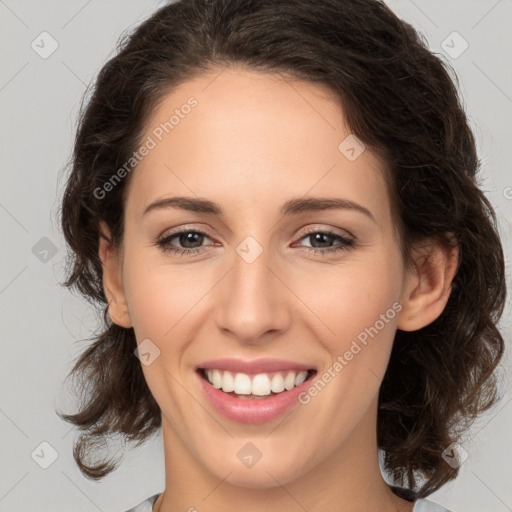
(420, 505)
(146, 505)
(424, 505)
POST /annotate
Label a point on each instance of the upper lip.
(256, 366)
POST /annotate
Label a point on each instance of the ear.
(427, 287)
(112, 279)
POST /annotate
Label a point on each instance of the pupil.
(318, 236)
(186, 238)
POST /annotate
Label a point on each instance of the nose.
(252, 302)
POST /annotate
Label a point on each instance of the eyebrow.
(291, 207)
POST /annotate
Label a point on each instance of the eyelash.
(164, 242)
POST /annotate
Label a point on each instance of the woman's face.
(318, 288)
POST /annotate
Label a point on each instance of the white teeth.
(301, 377)
(289, 381)
(260, 385)
(277, 384)
(242, 384)
(217, 379)
(228, 382)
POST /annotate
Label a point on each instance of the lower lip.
(252, 410)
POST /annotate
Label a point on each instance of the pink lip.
(253, 367)
(248, 410)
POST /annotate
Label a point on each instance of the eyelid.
(185, 228)
(301, 234)
(323, 228)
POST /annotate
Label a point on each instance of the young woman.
(276, 204)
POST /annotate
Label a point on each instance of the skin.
(253, 142)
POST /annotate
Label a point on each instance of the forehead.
(246, 137)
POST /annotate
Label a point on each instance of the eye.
(319, 240)
(191, 241)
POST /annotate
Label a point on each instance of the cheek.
(349, 298)
(160, 302)
(163, 300)
(358, 306)
(154, 296)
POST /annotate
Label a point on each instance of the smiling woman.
(297, 272)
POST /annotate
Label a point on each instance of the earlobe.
(112, 279)
(427, 287)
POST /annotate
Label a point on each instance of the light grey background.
(42, 324)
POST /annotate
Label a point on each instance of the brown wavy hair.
(402, 101)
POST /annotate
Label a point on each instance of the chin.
(262, 474)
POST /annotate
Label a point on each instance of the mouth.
(258, 386)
